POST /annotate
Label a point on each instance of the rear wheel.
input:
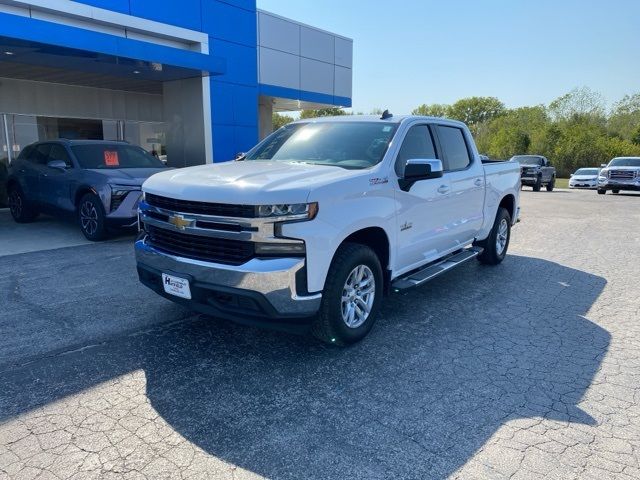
(21, 210)
(615, 191)
(551, 184)
(496, 245)
(92, 218)
(601, 191)
(351, 297)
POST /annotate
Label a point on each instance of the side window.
(454, 148)
(26, 151)
(40, 154)
(417, 143)
(59, 153)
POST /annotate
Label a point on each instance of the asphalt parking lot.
(526, 370)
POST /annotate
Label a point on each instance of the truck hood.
(247, 182)
(128, 176)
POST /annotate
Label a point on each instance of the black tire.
(551, 184)
(615, 191)
(492, 255)
(601, 191)
(329, 325)
(91, 218)
(538, 185)
(21, 209)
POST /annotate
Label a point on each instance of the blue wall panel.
(242, 61)
(233, 24)
(183, 13)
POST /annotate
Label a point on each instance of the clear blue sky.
(525, 52)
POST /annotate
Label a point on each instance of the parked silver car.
(98, 181)
(584, 178)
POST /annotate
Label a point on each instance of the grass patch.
(562, 182)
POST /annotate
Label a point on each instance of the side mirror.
(603, 165)
(57, 164)
(420, 169)
(240, 156)
(571, 175)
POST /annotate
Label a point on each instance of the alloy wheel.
(89, 218)
(501, 238)
(358, 295)
(15, 204)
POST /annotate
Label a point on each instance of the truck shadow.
(446, 366)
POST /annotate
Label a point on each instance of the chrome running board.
(435, 269)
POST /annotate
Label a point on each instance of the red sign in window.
(111, 158)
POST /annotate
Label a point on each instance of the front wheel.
(538, 185)
(20, 208)
(91, 217)
(351, 297)
(551, 184)
(615, 191)
(497, 243)
(601, 191)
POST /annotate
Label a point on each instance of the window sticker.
(111, 158)
(386, 129)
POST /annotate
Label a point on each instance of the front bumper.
(259, 291)
(528, 180)
(588, 184)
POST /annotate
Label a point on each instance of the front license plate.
(176, 286)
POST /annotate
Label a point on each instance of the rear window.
(456, 154)
(102, 156)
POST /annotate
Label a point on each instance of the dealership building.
(195, 80)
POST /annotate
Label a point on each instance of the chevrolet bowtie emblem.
(180, 222)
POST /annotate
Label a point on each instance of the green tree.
(578, 103)
(624, 119)
(322, 112)
(280, 120)
(475, 110)
(433, 110)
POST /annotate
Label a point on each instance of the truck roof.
(395, 119)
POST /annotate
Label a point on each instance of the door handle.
(478, 182)
(443, 189)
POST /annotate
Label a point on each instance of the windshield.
(527, 160)
(100, 155)
(352, 145)
(625, 162)
(586, 171)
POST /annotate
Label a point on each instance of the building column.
(265, 116)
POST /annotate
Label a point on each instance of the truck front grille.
(209, 249)
(202, 208)
(622, 174)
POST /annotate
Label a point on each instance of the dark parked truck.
(536, 171)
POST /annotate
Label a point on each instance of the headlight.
(119, 192)
(294, 210)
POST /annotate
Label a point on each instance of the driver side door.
(422, 210)
(55, 184)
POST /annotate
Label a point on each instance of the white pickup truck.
(324, 217)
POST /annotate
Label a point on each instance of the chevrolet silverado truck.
(324, 217)
(536, 171)
(621, 173)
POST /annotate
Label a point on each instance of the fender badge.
(378, 180)
(405, 226)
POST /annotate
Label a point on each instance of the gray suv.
(98, 181)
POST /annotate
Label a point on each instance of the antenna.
(386, 114)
